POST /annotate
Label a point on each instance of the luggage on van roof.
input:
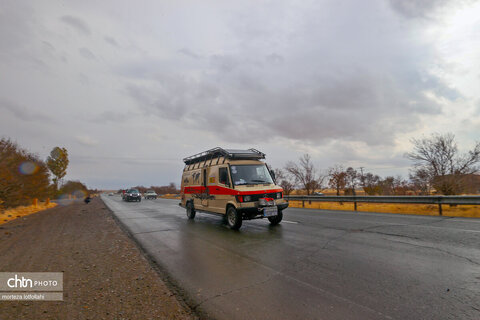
(250, 154)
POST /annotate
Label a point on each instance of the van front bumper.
(253, 211)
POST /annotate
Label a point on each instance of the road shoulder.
(105, 273)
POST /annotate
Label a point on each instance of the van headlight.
(247, 198)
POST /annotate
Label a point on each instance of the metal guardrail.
(438, 200)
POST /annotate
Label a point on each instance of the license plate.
(270, 212)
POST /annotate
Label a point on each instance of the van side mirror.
(272, 173)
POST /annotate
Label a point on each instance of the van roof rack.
(250, 154)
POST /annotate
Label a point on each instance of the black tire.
(276, 219)
(190, 211)
(234, 218)
(139, 199)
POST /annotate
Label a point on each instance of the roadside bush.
(23, 176)
(74, 188)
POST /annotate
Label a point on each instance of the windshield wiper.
(261, 181)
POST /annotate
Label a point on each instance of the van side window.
(223, 175)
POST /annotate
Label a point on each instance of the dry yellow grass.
(170, 196)
(22, 211)
(420, 209)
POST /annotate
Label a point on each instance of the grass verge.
(22, 211)
(468, 211)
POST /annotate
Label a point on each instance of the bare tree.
(337, 178)
(285, 181)
(306, 174)
(438, 156)
(400, 186)
(370, 183)
(352, 179)
(420, 180)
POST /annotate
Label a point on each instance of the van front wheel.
(234, 218)
(276, 219)
(190, 211)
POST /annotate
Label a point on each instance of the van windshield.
(250, 174)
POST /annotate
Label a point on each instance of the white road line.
(286, 221)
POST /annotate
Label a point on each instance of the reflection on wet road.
(315, 264)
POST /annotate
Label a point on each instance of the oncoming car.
(132, 195)
(150, 194)
(233, 183)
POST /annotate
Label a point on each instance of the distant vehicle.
(132, 195)
(150, 194)
(318, 194)
(110, 194)
(231, 183)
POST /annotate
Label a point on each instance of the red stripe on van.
(226, 191)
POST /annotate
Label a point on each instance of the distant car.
(318, 194)
(150, 194)
(132, 195)
(110, 194)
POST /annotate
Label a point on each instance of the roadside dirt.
(105, 274)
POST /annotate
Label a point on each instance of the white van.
(232, 183)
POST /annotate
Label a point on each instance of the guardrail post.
(303, 203)
(355, 205)
(440, 211)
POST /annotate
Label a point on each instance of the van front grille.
(255, 197)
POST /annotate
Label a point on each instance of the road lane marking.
(286, 221)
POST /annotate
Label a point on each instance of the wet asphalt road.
(316, 264)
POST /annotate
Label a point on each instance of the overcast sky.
(132, 87)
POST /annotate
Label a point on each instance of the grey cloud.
(86, 140)
(111, 40)
(16, 27)
(225, 63)
(23, 113)
(83, 79)
(168, 100)
(112, 116)
(274, 58)
(78, 24)
(189, 53)
(236, 96)
(48, 46)
(413, 9)
(416, 8)
(86, 53)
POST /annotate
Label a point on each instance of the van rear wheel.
(276, 219)
(234, 218)
(190, 211)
